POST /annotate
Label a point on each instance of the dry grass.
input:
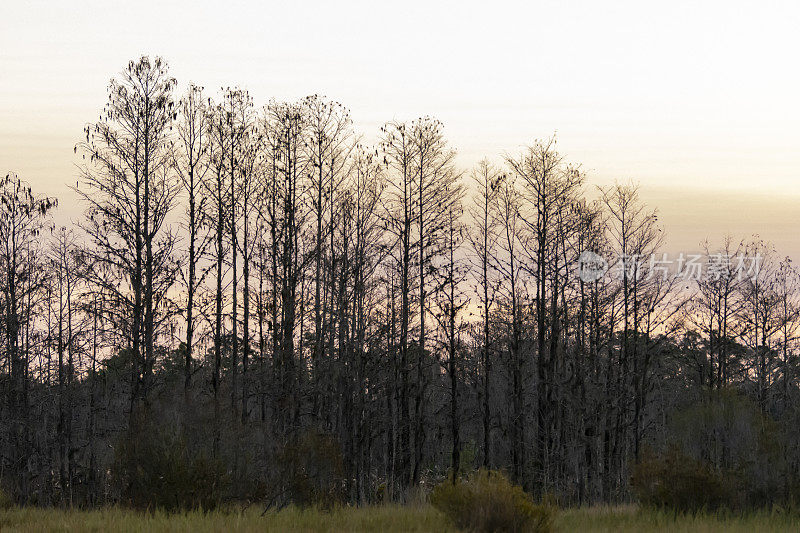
(383, 518)
(631, 518)
(379, 518)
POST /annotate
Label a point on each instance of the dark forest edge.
(257, 307)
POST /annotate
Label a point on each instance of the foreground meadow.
(382, 518)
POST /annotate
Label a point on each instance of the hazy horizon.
(695, 103)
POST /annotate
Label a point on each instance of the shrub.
(729, 433)
(722, 452)
(5, 501)
(487, 501)
(676, 481)
(158, 471)
(312, 470)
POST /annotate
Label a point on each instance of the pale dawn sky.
(698, 102)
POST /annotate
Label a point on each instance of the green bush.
(158, 471)
(312, 470)
(676, 481)
(487, 501)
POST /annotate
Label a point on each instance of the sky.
(695, 101)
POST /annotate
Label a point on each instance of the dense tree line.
(249, 281)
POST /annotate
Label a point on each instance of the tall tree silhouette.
(129, 191)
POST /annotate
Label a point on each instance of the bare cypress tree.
(511, 292)
(250, 161)
(589, 238)
(216, 214)
(238, 110)
(451, 301)
(483, 236)
(287, 126)
(788, 290)
(760, 311)
(328, 145)
(192, 164)
(129, 193)
(64, 260)
(399, 216)
(270, 220)
(716, 304)
(635, 237)
(366, 185)
(549, 186)
(435, 180)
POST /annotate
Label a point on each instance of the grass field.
(387, 518)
